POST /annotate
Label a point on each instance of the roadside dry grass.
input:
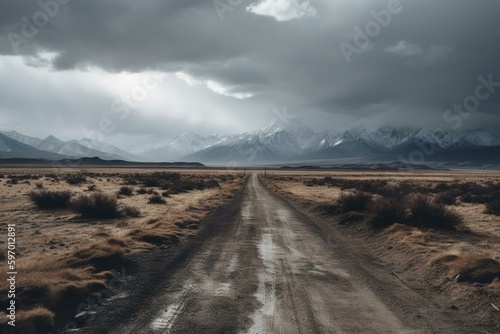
(450, 245)
(64, 257)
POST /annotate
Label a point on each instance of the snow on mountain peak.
(281, 139)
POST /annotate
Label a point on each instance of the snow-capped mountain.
(169, 149)
(31, 141)
(387, 138)
(277, 141)
(303, 136)
(294, 141)
(281, 141)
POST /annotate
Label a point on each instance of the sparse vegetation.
(130, 211)
(156, 239)
(493, 207)
(75, 179)
(125, 191)
(387, 211)
(59, 270)
(157, 179)
(46, 199)
(416, 217)
(97, 205)
(424, 212)
(414, 210)
(447, 197)
(174, 183)
(469, 268)
(99, 256)
(357, 201)
(212, 184)
(156, 199)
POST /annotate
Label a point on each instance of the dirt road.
(273, 271)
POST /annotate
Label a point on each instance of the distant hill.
(73, 149)
(95, 161)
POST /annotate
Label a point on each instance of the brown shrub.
(130, 211)
(46, 199)
(76, 179)
(96, 205)
(447, 198)
(156, 199)
(424, 212)
(387, 211)
(357, 201)
(125, 191)
(414, 210)
(493, 207)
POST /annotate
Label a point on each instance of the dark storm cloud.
(417, 66)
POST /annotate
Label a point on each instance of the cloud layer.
(229, 66)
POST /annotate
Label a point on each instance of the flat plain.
(87, 225)
(427, 251)
(287, 251)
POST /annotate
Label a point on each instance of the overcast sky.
(132, 70)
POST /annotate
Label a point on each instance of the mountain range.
(279, 142)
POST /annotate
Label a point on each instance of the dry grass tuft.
(99, 256)
(475, 269)
(96, 205)
(386, 212)
(129, 211)
(356, 201)
(38, 320)
(126, 191)
(76, 179)
(493, 207)
(424, 212)
(156, 199)
(46, 199)
(469, 268)
(447, 197)
(445, 258)
(415, 210)
(121, 242)
(55, 287)
(158, 239)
